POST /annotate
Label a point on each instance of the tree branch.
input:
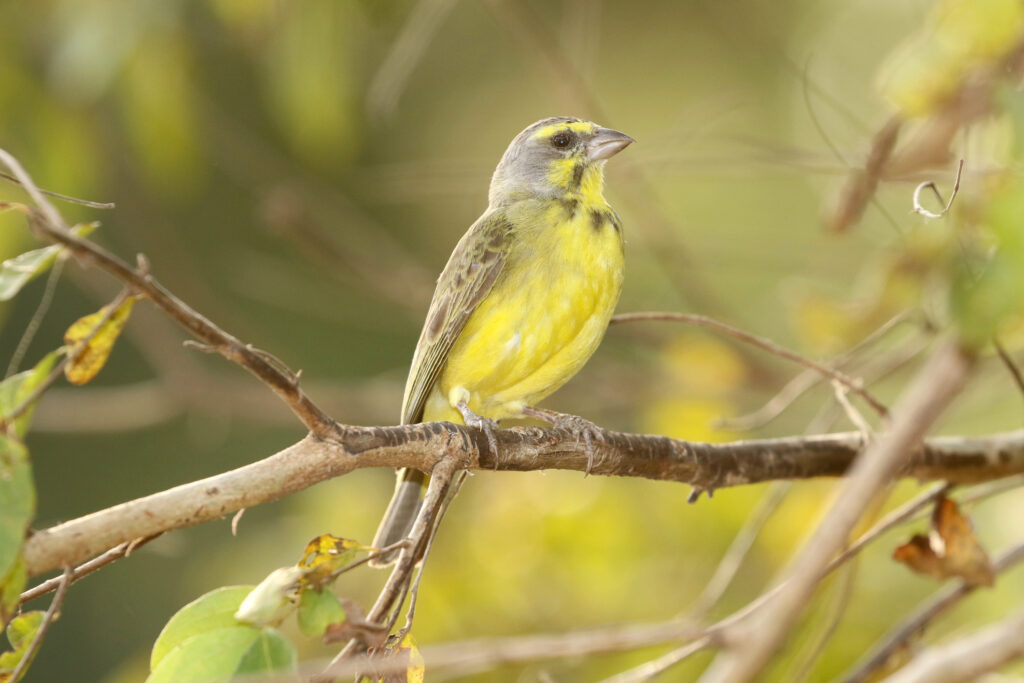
(285, 383)
(312, 460)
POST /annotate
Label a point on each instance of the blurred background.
(299, 172)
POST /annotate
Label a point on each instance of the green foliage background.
(255, 159)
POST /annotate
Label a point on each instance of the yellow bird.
(525, 298)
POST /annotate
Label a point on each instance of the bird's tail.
(400, 515)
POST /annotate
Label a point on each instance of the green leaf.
(318, 610)
(22, 629)
(270, 652)
(17, 501)
(10, 589)
(220, 654)
(210, 656)
(18, 271)
(212, 611)
(16, 389)
(20, 632)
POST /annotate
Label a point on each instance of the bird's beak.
(606, 143)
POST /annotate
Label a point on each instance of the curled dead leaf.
(950, 549)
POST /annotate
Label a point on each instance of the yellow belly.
(541, 321)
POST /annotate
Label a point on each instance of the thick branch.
(312, 460)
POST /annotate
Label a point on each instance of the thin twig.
(37, 317)
(933, 389)
(388, 83)
(38, 196)
(854, 415)
(1007, 359)
(49, 618)
(281, 381)
(85, 568)
(656, 667)
(805, 380)
(71, 355)
(894, 518)
(360, 562)
(63, 197)
(931, 185)
(766, 344)
(942, 600)
(397, 585)
(415, 590)
(837, 608)
(969, 658)
(738, 549)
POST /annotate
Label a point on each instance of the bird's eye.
(561, 140)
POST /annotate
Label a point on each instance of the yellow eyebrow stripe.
(574, 126)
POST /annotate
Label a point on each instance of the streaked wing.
(471, 271)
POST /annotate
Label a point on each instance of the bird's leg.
(485, 424)
(582, 428)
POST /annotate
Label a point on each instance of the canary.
(525, 298)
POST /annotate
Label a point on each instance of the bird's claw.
(696, 493)
(484, 424)
(581, 428)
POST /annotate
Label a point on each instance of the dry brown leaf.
(950, 549)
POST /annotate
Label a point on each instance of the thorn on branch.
(235, 520)
(142, 262)
(199, 346)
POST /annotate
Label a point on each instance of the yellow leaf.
(88, 357)
(417, 670)
(326, 553)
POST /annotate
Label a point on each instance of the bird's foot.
(581, 428)
(484, 424)
(696, 493)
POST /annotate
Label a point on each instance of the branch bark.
(312, 460)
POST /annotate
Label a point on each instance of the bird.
(524, 300)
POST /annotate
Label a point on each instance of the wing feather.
(473, 267)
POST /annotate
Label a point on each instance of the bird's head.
(556, 157)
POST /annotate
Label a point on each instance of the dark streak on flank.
(597, 219)
(577, 177)
(616, 221)
(571, 206)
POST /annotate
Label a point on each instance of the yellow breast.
(544, 316)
